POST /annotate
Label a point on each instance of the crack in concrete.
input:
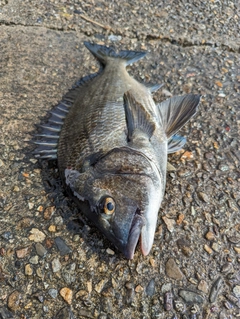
(183, 43)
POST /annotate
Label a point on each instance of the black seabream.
(111, 141)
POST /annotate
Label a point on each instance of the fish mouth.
(134, 234)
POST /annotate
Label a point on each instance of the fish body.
(111, 142)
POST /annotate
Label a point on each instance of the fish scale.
(111, 141)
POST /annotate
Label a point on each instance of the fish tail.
(103, 53)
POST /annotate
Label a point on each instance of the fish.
(111, 142)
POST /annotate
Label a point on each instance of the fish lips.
(134, 234)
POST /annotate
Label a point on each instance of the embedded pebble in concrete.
(14, 300)
(215, 289)
(172, 270)
(150, 289)
(53, 292)
(40, 249)
(191, 296)
(56, 265)
(62, 246)
(36, 235)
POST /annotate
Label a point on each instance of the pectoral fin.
(176, 111)
(176, 143)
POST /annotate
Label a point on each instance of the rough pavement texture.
(53, 263)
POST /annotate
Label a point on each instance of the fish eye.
(107, 205)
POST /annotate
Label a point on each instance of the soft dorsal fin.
(176, 111)
(103, 53)
(136, 116)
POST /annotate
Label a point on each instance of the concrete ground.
(54, 263)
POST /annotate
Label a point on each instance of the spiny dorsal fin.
(103, 53)
(136, 116)
(176, 111)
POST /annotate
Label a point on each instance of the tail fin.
(103, 53)
(176, 111)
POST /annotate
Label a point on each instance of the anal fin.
(176, 143)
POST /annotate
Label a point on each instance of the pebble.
(139, 288)
(179, 306)
(172, 270)
(208, 249)
(234, 239)
(52, 228)
(98, 288)
(67, 294)
(62, 246)
(236, 291)
(227, 267)
(28, 270)
(53, 292)
(23, 252)
(168, 301)
(215, 289)
(203, 197)
(170, 223)
(150, 289)
(48, 212)
(110, 252)
(56, 265)
(34, 260)
(40, 249)
(14, 300)
(210, 236)
(36, 235)
(237, 249)
(191, 296)
(203, 286)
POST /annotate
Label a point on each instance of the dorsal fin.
(176, 111)
(103, 53)
(136, 116)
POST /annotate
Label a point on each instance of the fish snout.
(137, 223)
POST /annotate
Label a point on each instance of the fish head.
(123, 191)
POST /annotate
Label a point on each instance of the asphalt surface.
(53, 262)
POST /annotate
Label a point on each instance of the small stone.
(215, 289)
(56, 265)
(170, 223)
(40, 249)
(234, 239)
(52, 228)
(172, 270)
(14, 300)
(23, 252)
(216, 247)
(48, 212)
(139, 288)
(180, 219)
(203, 286)
(208, 249)
(66, 293)
(236, 291)
(179, 306)
(203, 197)
(168, 301)
(16, 189)
(62, 246)
(28, 270)
(39, 272)
(36, 235)
(150, 289)
(166, 287)
(227, 267)
(53, 292)
(210, 236)
(100, 285)
(110, 252)
(34, 260)
(30, 205)
(191, 296)
(237, 249)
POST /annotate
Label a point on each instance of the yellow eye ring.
(109, 206)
